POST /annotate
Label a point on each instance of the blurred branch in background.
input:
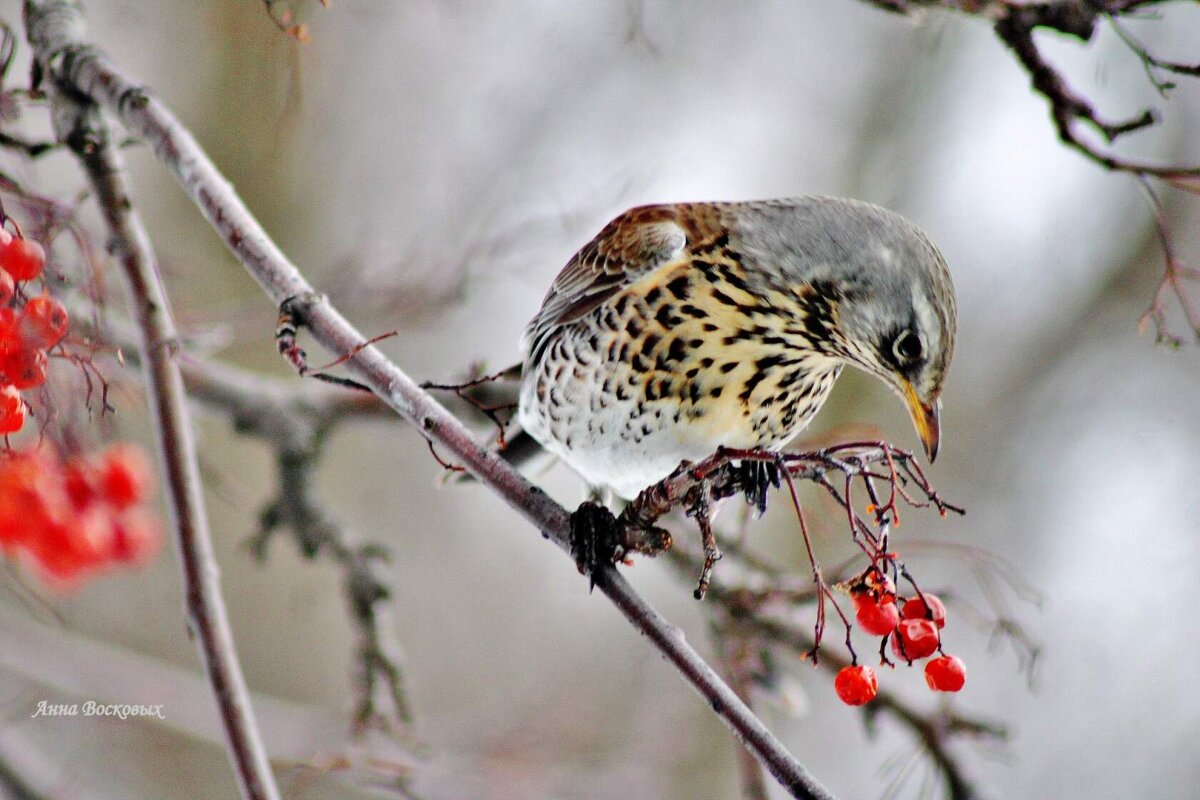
(1015, 25)
(295, 420)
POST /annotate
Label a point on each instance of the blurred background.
(432, 165)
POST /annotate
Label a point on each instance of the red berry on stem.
(10, 331)
(12, 410)
(24, 259)
(856, 686)
(44, 321)
(877, 617)
(915, 639)
(916, 609)
(125, 475)
(80, 483)
(946, 674)
(68, 547)
(135, 537)
(24, 369)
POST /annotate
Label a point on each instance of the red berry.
(43, 321)
(24, 259)
(80, 483)
(10, 331)
(124, 475)
(67, 548)
(915, 639)
(877, 617)
(856, 686)
(24, 369)
(7, 287)
(134, 537)
(916, 609)
(12, 410)
(946, 674)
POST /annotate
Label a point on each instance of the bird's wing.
(640, 241)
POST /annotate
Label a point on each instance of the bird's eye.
(907, 347)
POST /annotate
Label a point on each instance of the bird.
(688, 327)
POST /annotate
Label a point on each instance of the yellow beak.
(925, 418)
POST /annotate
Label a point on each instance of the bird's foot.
(712, 553)
(598, 538)
(757, 479)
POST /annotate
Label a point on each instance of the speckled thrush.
(683, 328)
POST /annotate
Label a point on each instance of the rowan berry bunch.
(70, 515)
(913, 625)
(77, 516)
(29, 327)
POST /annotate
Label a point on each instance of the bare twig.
(1175, 273)
(1015, 23)
(71, 61)
(1151, 63)
(78, 123)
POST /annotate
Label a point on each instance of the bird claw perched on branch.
(758, 477)
(598, 539)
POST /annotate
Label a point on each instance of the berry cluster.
(28, 327)
(914, 626)
(76, 516)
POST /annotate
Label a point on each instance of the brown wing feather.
(640, 241)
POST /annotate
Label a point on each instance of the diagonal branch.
(56, 33)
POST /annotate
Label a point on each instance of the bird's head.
(896, 316)
(880, 295)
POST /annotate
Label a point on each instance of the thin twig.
(81, 127)
(1175, 272)
(68, 58)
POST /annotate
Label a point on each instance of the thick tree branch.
(79, 125)
(56, 34)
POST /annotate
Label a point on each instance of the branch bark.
(78, 123)
(65, 55)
